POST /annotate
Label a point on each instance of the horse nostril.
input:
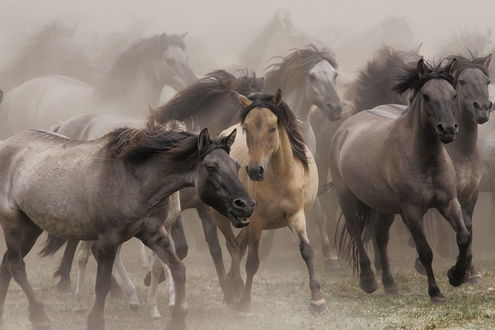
(261, 171)
(440, 128)
(476, 105)
(239, 203)
(490, 105)
(456, 126)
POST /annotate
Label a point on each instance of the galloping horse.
(414, 175)
(133, 83)
(124, 180)
(278, 169)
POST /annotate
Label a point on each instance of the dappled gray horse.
(108, 190)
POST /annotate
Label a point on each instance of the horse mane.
(136, 145)
(294, 68)
(121, 75)
(216, 85)
(471, 60)
(374, 83)
(410, 79)
(286, 119)
(465, 41)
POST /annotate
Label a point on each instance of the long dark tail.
(52, 245)
(347, 248)
(323, 188)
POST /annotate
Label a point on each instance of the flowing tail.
(347, 248)
(52, 245)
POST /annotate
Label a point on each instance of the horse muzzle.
(256, 172)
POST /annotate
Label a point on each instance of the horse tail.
(347, 248)
(51, 245)
(323, 188)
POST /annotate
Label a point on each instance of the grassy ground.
(280, 295)
(280, 298)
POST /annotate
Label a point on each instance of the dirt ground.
(280, 293)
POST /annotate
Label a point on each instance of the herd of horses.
(91, 161)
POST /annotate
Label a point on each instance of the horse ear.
(487, 61)
(229, 140)
(419, 48)
(182, 36)
(422, 68)
(246, 102)
(451, 67)
(277, 98)
(203, 139)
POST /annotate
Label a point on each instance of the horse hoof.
(332, 264)
(418, 265)
(155, 315)
(439, 299)
(475, 279)
(392, 290)
(454, 278)
(368, 285)
(64, 286)
(318, 308)
(134, 307)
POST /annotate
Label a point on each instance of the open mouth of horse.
(237, 221)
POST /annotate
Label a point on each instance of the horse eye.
(462, 82)
(273, 129)
(312, 77)
(210, 169)
(454, 96)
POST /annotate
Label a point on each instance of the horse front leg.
(454, 215)
(297, 223)
(233, 285)
(105, 251)
(411, 217)
(211, 235)
(474, 277)
(156, 238)
(82, 261)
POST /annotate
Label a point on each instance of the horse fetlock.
(368, 282)
(38, 317)
(457, 276)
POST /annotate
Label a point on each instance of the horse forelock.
(286, 119)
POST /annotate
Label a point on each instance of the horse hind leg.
(20, 235)
(355, 224)
(64, 269)
(381, 237)
(330, 205)
(129, 287)
(155, 272)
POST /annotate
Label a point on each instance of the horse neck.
(158, 180)
(136, 98)
(465, 143)
(282, 161)
(299, 104)
(417, 132)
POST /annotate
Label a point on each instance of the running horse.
(415, 174)
(108, 191)
(279, 171)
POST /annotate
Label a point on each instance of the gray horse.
(415, 173)
(108, 191)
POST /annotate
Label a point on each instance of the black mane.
(286, 119)
(137, 145)
(374, 83)
(206, 92)
(410, 79)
